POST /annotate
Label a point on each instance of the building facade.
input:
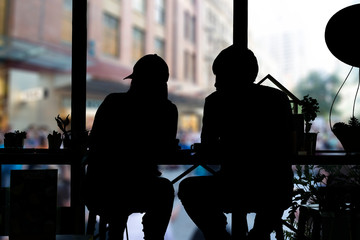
(35, 53)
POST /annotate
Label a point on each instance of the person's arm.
(100, 122)
(210, 130)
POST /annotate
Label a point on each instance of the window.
(193, 29)
(139, 5)
(186, 25)
(110, 35)
(160, 11)
(66, 22)
(160, 47)
(138, 48)
(33, 87)
(190, 66)
(189, 27)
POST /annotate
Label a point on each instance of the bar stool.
(103, 222)
(239, 226)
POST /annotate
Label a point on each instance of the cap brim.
(129, 77)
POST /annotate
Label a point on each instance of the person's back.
(255, 140)
(253, 125)
(255, 117)
(130, 132)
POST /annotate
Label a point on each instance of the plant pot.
(54, 140)
(310, 143)
(14, 143)
(54, 143)
(14, 140)
(349, 136)
(67, 141)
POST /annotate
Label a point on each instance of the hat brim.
(129, 77)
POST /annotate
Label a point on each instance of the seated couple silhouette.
(247, 127)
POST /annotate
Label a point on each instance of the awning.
(35, 54)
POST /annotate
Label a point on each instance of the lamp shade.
(342, 35)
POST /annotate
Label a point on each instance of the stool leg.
(102, 229)
(91, 223)
(239, 227)
(279, 231)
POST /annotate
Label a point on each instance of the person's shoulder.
(213, 96)
(266, 90)
(113, 99)
(114, 96)
(171, 105)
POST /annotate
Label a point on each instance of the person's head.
(234, 67)
(149, 72)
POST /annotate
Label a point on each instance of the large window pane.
(187, 34)
(35, 76)
(35, 63)
(288, 40)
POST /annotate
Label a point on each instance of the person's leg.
(159, 204)
(265, 222)
(202, 200)
(117, 225)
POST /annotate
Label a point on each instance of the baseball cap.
(150, 66)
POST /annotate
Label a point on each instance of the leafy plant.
(62, 124)
(310, 108)
(348, 134)
(330, 186)
(309, 181)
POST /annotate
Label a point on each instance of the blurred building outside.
(35, 54)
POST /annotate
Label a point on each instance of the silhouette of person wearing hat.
(130, 131)
(249, 128)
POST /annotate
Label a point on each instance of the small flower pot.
(54, 142)
(310, 143)
(14, 140)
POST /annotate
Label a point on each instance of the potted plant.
(310, 108)
(324, 198)
(54, 140)
(62, 124)
(309, 184)
(347, 133)
(14, 139)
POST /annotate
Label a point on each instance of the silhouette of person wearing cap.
(249, 128)
(131, 130)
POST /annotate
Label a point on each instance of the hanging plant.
(347, 133)
(343, 43)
